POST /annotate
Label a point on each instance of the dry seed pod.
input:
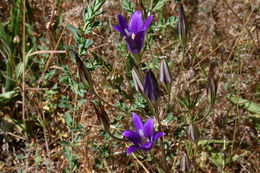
(185, 164)
(193, 132)
(182, 26)
(102, 116)
(165, 76)
(84, 74)
(212, 85)
(137, 81)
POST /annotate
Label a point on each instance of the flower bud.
(185, 164)
(84, 74)
(193, 132)
(16, 39)
(165, 76)
(102, 116)
(136, 78)
(151, 89)
(211, 85)
(182, 26)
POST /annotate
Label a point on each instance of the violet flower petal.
(132, 136)
(122, 22)
(144, 137)
(132, 149)
(137, 123)
(136, 22)
(139, 40)
(135, 45)
(158, 135)
(147, 146)
(131, 45)
(148, 129)
(119, 29)
(147, 23)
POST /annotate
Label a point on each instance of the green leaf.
(221, 160)
(212, 141)
(38, 159)
(129, 6)
(68, 119)
(8, 96)
(74, 31)
(160, 4)
(246, 104)
(217, 159)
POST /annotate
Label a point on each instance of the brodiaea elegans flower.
(144, 137)
(134, 31)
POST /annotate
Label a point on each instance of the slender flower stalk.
(144, 137)
(134, 31)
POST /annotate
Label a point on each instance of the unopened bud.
(193, 132)
(165, 76)
(151, 89)
(211, 85)
(185, 164)
(182, 26)
(102, 116)
(84, 74)
(16, 39)
(137, 81)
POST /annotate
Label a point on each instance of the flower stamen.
(133, 36)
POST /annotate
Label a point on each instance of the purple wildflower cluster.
(144, 137)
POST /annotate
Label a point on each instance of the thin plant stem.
(151, 6)
(156, 112)
(138, 62)
(154, 109)
(24, 60)
(23, 75)
(239, 71)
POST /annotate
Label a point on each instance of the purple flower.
(144, 136)
(134, 31)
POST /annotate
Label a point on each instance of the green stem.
(156, 112)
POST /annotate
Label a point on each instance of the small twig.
(52, 55)
(46, 51)
(23, 75)
(140, 163)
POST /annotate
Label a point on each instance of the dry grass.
(216, 34)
